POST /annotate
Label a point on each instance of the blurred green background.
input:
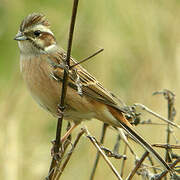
(142, 55)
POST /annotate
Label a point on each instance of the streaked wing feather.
(93, 84)
(90, 86)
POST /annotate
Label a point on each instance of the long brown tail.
(123, 123)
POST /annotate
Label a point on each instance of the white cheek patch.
(50, 48)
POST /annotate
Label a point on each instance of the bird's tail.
(123, 123)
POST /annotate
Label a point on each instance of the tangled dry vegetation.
(141, 42)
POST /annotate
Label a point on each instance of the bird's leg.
(68, 133)
(63, 139)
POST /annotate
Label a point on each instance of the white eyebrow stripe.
(42, 28)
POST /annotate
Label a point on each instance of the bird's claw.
(60, 65)
(60, 111)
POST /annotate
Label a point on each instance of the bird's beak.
(20, 37)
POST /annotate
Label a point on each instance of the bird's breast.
(37, 73)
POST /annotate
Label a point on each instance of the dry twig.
(111, 154)
(170, 97)
(166, 146)
(94, 142)
(104, 128)
(157, 115)
(123, 161)
(89, 57)
(69, 154)
(61, 107)
(164, 173)
(137, 165)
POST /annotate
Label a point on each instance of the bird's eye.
(37, 33)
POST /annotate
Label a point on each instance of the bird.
(42, 64)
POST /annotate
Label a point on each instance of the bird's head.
(34, 35)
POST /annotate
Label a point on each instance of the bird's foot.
(59, 65)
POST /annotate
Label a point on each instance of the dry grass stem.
(156, 115)
(111, 154)
(94, 142)
(123, 164)
(61, 107)
(104, 128)
(59, 173)
(131, 175)
(170, 97)
(152, 164)
(86, 59)
(164, 173)
(166, 146)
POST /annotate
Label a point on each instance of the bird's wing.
(78, 76)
